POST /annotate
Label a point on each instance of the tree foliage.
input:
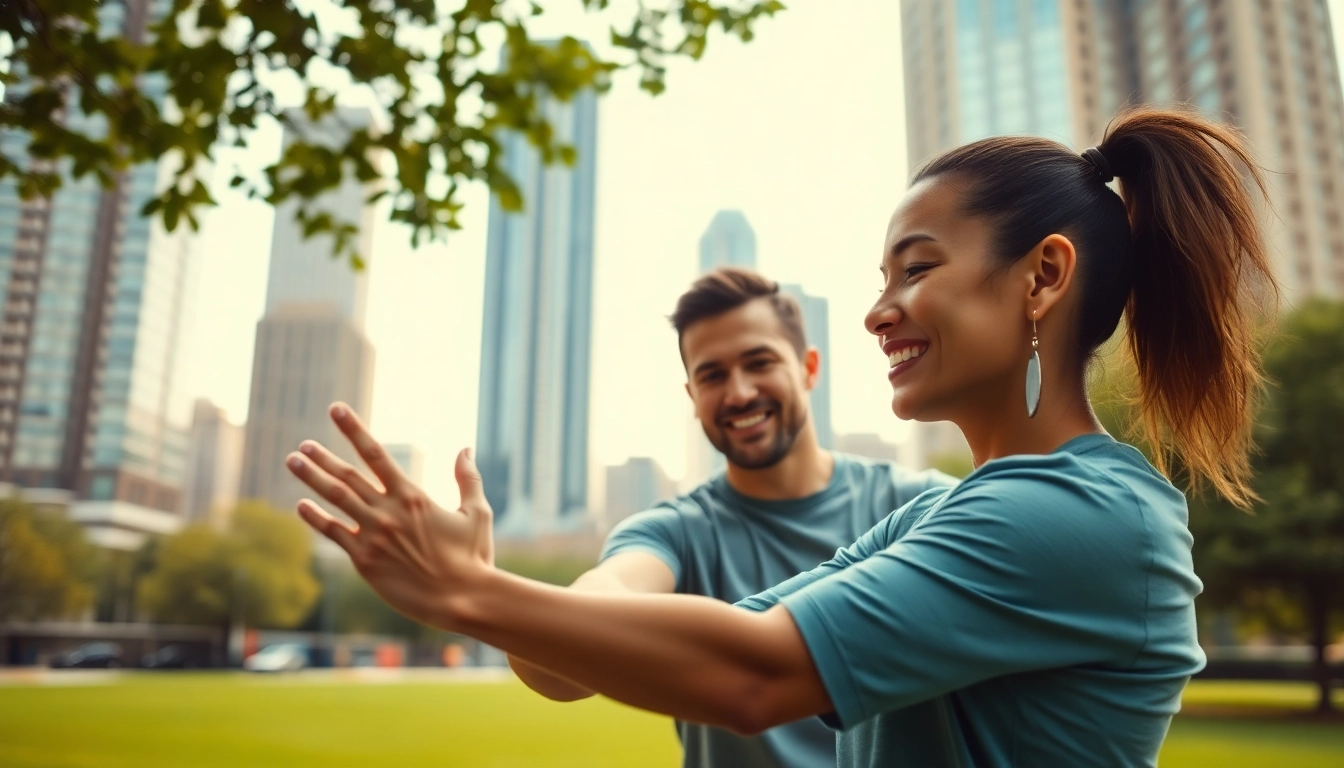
(257, 571)
(1282, 567)
(1293, 546)
(47, 567)
(208, 74)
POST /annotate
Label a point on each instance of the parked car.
(92, 655)
(169, 657)
(281, 657)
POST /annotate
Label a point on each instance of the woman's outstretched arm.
(690, 657)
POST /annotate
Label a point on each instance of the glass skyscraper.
(532, 424)
(729, 241)
(817, 325)
(1061, 69)
(90, 397)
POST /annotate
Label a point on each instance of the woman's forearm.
(545, 682)
(693, 658)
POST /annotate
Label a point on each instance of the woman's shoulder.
(1093, 482)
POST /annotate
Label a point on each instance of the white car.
(282, 657)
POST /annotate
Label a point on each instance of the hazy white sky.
(802, 129)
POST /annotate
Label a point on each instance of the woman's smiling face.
(956, 334)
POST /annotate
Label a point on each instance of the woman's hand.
(422, 559)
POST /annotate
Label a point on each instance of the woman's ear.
(1049, 268)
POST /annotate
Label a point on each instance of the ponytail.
(1201, 271)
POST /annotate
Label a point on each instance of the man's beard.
(786, 433)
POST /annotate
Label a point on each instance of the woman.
(1039, 613)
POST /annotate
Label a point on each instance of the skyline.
(665, 165)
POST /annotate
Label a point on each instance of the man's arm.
(625, 572)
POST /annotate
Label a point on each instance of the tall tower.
(817, 326)
(1062, 68)
(729, 241)
(310, 344)
(90, 379)
(532, 424)
(214, 461)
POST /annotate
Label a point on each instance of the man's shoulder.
(693, 507)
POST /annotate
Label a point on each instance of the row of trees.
(259, 570)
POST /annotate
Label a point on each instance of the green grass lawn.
(234, 720)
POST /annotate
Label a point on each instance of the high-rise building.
(1269, 68)
(817, 327)
(90, 365)
(729, 241)
(635, 486)
(1062, 68)
(532, 425)
(214, 464)
(305, 272)
(410, 459)
(310, 344)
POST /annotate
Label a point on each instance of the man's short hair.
(726, 288)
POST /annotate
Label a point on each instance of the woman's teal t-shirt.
(1040, 613)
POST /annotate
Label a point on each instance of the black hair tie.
(1093, 155)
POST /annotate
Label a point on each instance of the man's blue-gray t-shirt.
(722, 544)
(1041, 612)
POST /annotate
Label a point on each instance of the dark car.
(93, 655)
(169, 657)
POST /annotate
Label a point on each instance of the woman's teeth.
(901, 355)
(749, 421)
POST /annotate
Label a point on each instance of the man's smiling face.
(748, 382)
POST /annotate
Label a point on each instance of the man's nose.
(741, 389)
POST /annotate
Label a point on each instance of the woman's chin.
(904, 406)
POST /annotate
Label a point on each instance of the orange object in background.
(387, 655)
(453, 654)
(251, 643)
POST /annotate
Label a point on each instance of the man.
(783, 505)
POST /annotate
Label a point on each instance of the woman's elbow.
(757, 708)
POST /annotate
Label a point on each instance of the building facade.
(536, 336)
(310, 349)
(1061, 69)
(817, 327)
(214, 464)
(91, 396)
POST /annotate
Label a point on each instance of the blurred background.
(152, 379)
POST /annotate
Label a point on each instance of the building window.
(102, 488)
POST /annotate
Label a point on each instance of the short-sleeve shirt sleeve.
(870, 543)
(1006, 575)
(658, 531)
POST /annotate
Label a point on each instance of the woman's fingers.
(328, 526)
(370, 450)
(331, 489)
(341, 470)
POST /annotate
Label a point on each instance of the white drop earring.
(1034, 371)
